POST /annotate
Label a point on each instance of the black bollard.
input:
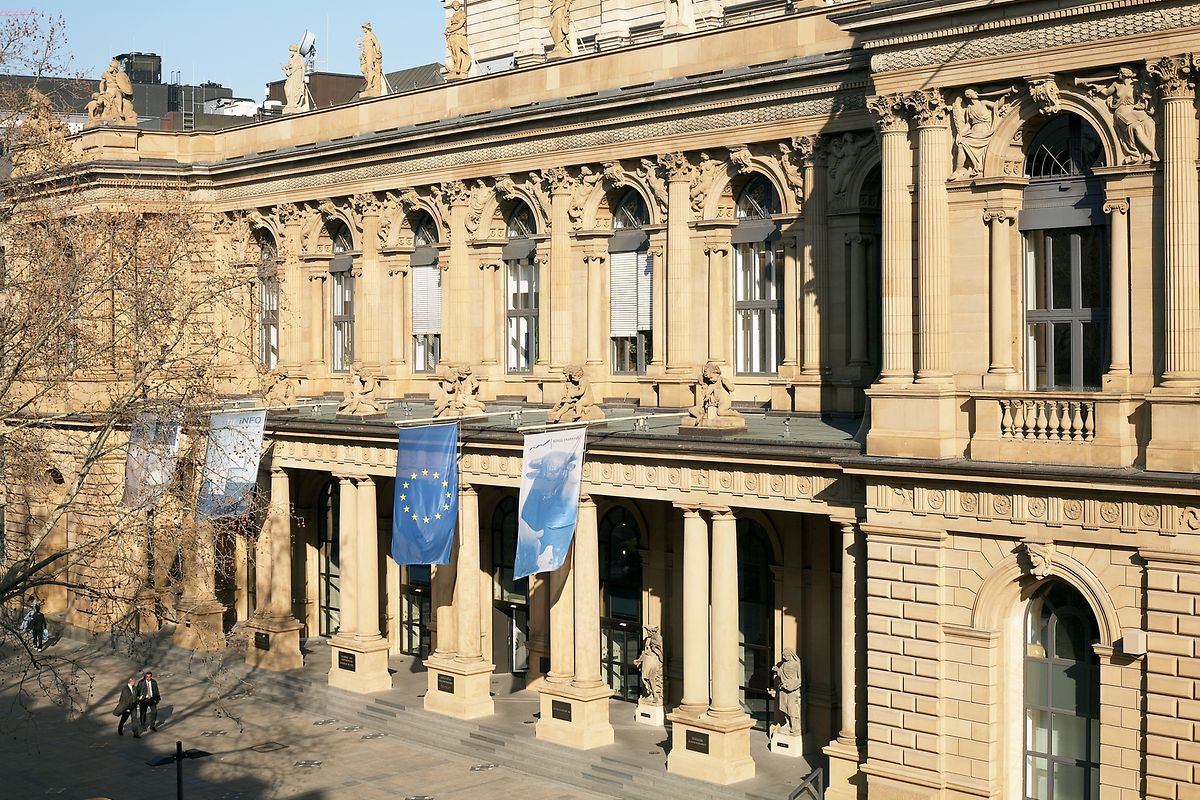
(179, 770)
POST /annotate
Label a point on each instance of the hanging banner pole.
(440, 420)
(239, 409)
(593, 423)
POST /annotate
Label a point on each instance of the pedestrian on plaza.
(127, 708)
(148, 697)
(28, 617)
(37, 629)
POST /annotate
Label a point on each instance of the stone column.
(695, 613)
(847, 733)
(348, 556)
(292, 314)
(554, 302)
(1000, 294)
(200, 613)
(816, 255)
(1181, 221)
(315, 326)
(274, 633)
(896, 243)
(460, 318)
(461, 686)
(679, 278)
(562, 622)
(1119, 364)
(575, 713)
(791, 300)
(594, 264)
(658, 301)
(859, 247)
(726, 670)
(718, 299)
(368, 562)
(399, 313)
(933, 226)
(489, 272)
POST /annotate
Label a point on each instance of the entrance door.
(415, 611)
(620, 602)
(510, 651)
(328, 560)
(757, 602)
(510, 599)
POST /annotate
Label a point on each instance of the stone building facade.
(949, 257)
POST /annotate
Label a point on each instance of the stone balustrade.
(1047, 419)
(1082, 428)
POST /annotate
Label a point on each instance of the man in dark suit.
(148, 697)
(127, 709)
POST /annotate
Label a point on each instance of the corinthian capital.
(889, 111)
(928, 107)
(1174, 74)
(676, 165)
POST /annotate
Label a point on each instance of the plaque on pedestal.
(787, 744)
(647, 714)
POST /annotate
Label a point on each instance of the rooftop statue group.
(113, 103)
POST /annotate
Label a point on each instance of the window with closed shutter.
(426, 317)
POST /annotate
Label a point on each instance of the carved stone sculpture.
(42, 138)
(577, 403)
(1043, 90)
(370, 60)
(1129, 100)
(279, 389)
(456, 43)
(786, 689)
(1036, 558)
(679, 17)
(702, 181)
(359, 399)
(650, 663)
(974, 120)
(714, 402)
(295, 92)
(560, 28)
(113, 103)
(845, 154)
(460, 393)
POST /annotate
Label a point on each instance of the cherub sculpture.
(460, 393)
(577, 403)
(714, 402)
(360, 400)
(278, 389)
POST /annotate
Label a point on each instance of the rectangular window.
(268, 322)
(342, 346)
(521, 313)
(631, 308)
(758, 308)
(426, 317)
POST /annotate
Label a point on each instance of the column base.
(675, 388)
(201, 626)
(647, 714)
(359, 666)
(787, 744)
(711, 749)
(918, 421)
(1003, 381)
(845, 780)
(462, 690)
(574, 717)
(274, 643)
(1174, 421)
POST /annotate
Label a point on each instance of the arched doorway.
(620, 602)
(756, 606)
(1062, 697)
(328, 560)
(510, 598)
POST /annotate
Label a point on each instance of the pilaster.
(1001, 374)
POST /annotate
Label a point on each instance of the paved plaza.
(49, 751)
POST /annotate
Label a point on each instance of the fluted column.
(933, 228)
(896, 242)
(348, 555)
(816, 231)
(695, 612)
(367, 574)
(1181, 221)
(315, 326)
(587, 598)
(442, 596)
(791, 300)
(1118, 325)
(594, 264)
(718, 300)
(489, 275)
(726, 663)
(847, 734)
(562, 621)
(466, 596)
(859, 246)
(1000, 294)
(280, 602)
(658, 302)
(678, 305)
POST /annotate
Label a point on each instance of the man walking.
(127, 709)
(148, 697)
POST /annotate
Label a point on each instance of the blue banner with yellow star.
(426, 500)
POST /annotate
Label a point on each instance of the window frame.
(342, 300)
(269, 288)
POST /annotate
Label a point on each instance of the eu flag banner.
(551, 472)
(150, 459)
(425, 506)
(231, 464)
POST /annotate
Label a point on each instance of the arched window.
(268, 300)
(328, 559)
(620, 540)
(1067, 259)
(631, 281)
(758, 278)
(342, 296)
(521, 297)
(426, 295)
(756, 595)
(1062, 697)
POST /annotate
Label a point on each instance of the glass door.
(328, 560)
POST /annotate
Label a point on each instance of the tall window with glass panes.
(268, 301)
(521, 292)
(426, 296)
(341, 307)
(631, 274)
(758, 280)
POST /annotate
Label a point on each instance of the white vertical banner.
(551, 474)
(231, 464)
(150, 459)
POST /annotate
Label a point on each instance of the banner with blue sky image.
(551, 473)
(150, 459)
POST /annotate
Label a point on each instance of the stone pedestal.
(200, 626)
(273, 644)
(712, 749)
(844, 777)
(462, 690)
(913, 421)
(574, 717)
(360, 667)
(1174, 420)
(647, 714)
(787, 744)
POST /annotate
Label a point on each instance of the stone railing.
(1082, 428)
